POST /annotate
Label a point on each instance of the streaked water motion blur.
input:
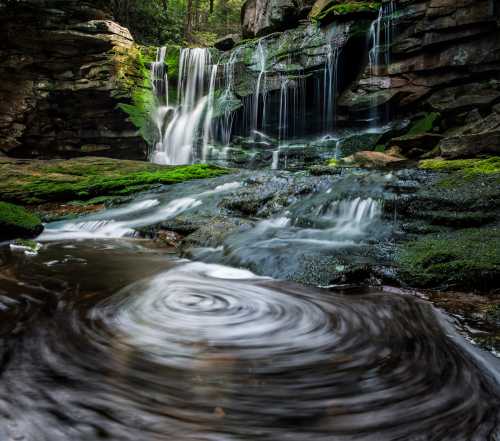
(103, 336)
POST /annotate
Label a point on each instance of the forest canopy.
(183, 22)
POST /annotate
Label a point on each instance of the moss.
(425, 124)
(332, 9)
(464, 168)
(334, 163)
(379, 148)
(135, 83)
(86, 178)
(465, 259)
(16, 221)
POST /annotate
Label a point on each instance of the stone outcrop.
(444, 57)
(260, 17)
(62, 76)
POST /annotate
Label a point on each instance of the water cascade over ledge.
(190, 119)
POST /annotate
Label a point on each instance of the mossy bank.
(85, 184)
(17, 222)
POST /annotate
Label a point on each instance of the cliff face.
(438, 66)
(62, 78)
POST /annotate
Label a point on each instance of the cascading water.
(260, 89)
(379, 57)
(190, 120)
(330, 84)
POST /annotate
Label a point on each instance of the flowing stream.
(106, 336)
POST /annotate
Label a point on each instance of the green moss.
(87, 178)
(135, 84)
(379, 148)
(425, 124)
(332, 9)
(467, 259)
(16, 221)
(465, 167)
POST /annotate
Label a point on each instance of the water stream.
(107, 336)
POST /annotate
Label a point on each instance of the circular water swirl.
(203, 352)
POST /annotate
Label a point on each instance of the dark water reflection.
(129, 344)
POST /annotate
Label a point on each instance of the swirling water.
(114, 339)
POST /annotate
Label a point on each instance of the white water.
(123, 221)
(381, 34)
(188, 122)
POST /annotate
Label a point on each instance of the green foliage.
(425, 124)
(468, 258)
(88, 178)
(180, 22)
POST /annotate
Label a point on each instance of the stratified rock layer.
(62, 78)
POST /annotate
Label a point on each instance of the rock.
(414, 146)
(75, 55)
(84, 179)
(228, 42)
(466, 97)
(213, 233)
(16, 222)
(469, 259)
(261, 17)
(469, 146)
(368, 159)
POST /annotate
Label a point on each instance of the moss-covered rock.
(82, 179)
(135, 86)
(467, 259)
(17, 222)
(327, 9)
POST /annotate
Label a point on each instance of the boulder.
(469, 146)
(261, 17)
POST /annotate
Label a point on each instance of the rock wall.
(62, 75)
(443, 74)
(445, 61)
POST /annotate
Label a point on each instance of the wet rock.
(213, 233)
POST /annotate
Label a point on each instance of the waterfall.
(380, 55)
(191, 117)
(330, 87)
(283, 115)
(225, 123)
(260, 56)
(381, 34)
(159, 84)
